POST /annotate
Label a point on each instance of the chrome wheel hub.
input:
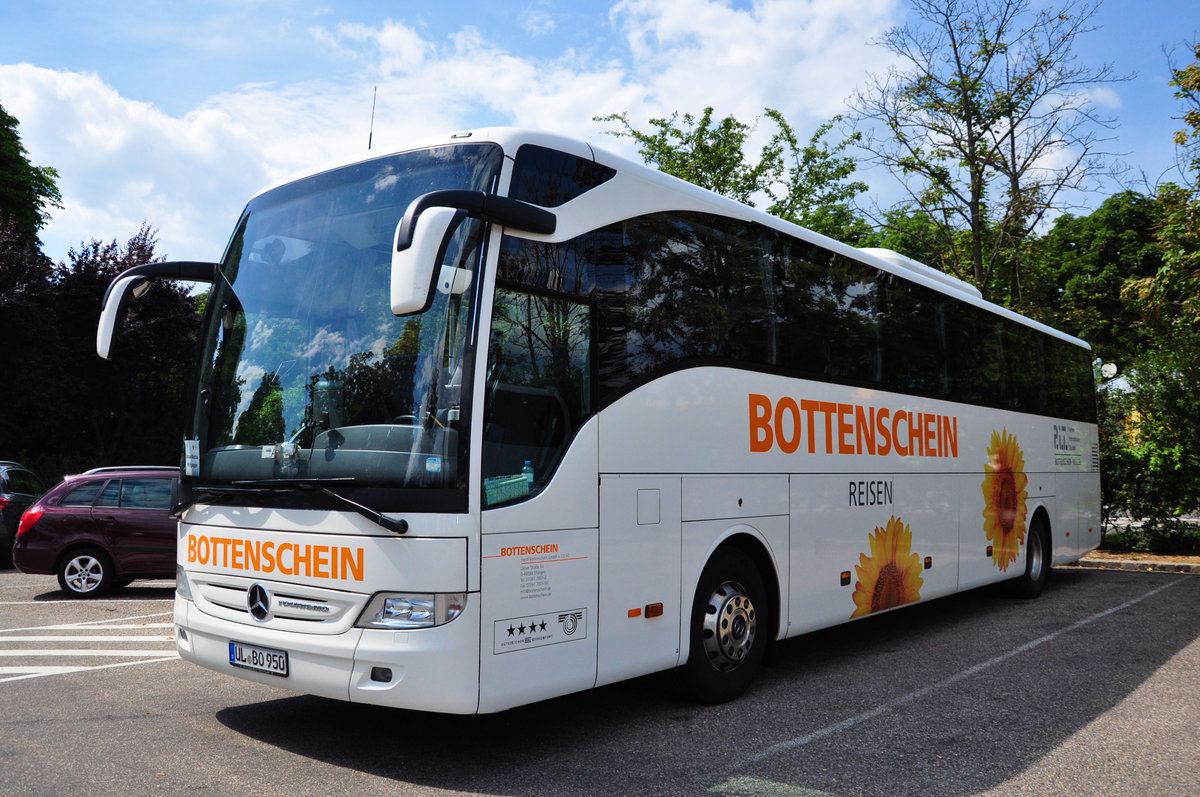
(730, 625)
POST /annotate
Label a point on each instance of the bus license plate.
(252, 657)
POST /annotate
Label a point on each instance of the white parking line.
(43, 671)
(911, 697)
(120, 627)
(63, 660)
(68, 638)
(109, 623)
(72, 652)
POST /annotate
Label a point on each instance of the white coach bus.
(502, 416)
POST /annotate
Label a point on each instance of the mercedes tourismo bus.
(501, 416)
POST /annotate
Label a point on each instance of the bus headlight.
(389, 610)
(182, 588)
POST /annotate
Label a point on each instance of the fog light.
(381, 674)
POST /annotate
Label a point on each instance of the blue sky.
(175, 112)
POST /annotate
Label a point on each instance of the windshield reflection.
(306, 373)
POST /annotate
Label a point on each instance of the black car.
(19, 487)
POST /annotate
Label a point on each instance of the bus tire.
(729, 628)
(1037, 562)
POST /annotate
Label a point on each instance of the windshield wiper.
(260, 486)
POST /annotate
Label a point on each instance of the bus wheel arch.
(731, 621)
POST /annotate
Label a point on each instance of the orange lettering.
(829, 408)
(352, 563)
(951, 436)
(288, 548)
(787, 446)
(845, 426)
(864, 430)
(760, 424)
(896, 431)
(881, 428)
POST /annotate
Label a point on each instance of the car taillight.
(31, 516)
(3, 502)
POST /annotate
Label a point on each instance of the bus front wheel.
(729, 628)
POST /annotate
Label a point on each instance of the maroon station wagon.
(102, 529)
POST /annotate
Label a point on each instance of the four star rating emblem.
(520, 630)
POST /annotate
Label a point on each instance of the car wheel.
(729, 628)
(86, 573)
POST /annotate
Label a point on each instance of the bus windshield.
(305, 372)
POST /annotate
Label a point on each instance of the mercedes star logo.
(258, 600)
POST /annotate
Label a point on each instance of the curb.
(1143, 566)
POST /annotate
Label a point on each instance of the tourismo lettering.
(848, 429)
(285, 558)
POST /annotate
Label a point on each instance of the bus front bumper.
(428, 669)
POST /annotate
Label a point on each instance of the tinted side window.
(697, 287)
(111, 495)
(84, 494)
(673, 290)
(145, 493)
(913, 337)
(538, 389)
(551, 178)
(23, 481)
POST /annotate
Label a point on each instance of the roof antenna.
(371, 130)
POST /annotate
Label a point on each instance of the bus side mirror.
(136, 280)
(114, 303)
(415, 266)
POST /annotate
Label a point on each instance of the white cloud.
(536, 19)
(123, 161)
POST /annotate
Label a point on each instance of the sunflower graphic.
(1004, 493)
(891, 575)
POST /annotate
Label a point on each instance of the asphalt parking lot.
(1090, 689)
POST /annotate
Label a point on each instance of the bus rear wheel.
(1037, 562)
(729, 628)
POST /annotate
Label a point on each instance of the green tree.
(1155, 458)
(710, 155)
(987, 125)
(808, 184)
(27, 192)
(913, 233)
(1186, 81)
(129, 408)
(31, 354)
(1150, 443)
(1171, 297)
(1083, 262)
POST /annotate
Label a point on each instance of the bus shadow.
(950, 697)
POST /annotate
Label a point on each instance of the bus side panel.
(538, 630)
(1076, 510)
(827, 535)
(929, 505)
(640, 537)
